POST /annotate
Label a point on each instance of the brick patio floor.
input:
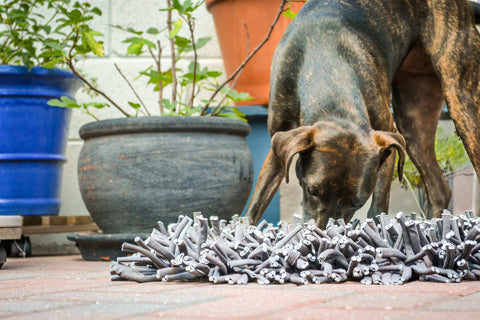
(68, 287)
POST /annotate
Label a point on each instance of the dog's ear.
(386, 141)
(286, 144)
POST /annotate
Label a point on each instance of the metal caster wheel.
(21, 248)
(3, 256)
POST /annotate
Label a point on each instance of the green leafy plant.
(46, 33)
(56, 33)
(185, 84)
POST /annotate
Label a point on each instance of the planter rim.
(159, 124)
(20, 70)
(210, 3)
(464, 166)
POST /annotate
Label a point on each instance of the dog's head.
(336, 168)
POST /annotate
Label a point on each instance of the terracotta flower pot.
(258, 15)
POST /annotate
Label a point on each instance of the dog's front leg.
(268, 183)
(381, 193)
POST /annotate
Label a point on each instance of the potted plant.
(136, 170)
(32, 133)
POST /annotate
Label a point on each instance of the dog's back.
(347, 52)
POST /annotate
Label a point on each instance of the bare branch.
(195, 59)
(160, 83)
(173, 58)
(91, 114)
(247, 31)
(132, 88)
(158, 63)
(103, 94)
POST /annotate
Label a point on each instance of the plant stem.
(132, 88)
(74, 44)
(195, 60)
(3, 48)
(247, 31)
(92, 115)
(160, 83)
(173, 57)
(247, 59)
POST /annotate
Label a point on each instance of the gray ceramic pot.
(134, 172)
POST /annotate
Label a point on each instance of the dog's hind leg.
(417, 102)
(458, 67)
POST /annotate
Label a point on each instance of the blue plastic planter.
(33, 138)
(259, 142)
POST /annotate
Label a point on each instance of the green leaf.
(96, 105)
(239, 114)
(167, 104)
(176, 28)
(97, 11)
(129, 29)
(54, 45)
(183, 44)
(201, 42)
(136, 106)
(52, 63)
(153, 31)
(137, 44)
(289, 13)
(76, 16)
(214, 74)
(134, 49)
(155, 77)
(17, 16)
(47, 29)
(89, 40)
(64, 102)
(235, 95)
(51, 54)
(177, 5)
(188, 6)
(232, 113)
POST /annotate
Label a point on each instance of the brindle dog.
(337, 68)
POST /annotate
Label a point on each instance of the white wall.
(139, 14)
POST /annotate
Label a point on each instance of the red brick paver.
(67, 287)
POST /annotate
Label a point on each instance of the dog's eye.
(312, 191)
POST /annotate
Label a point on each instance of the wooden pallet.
(57, 224)
(10, 233)
(10, 227)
